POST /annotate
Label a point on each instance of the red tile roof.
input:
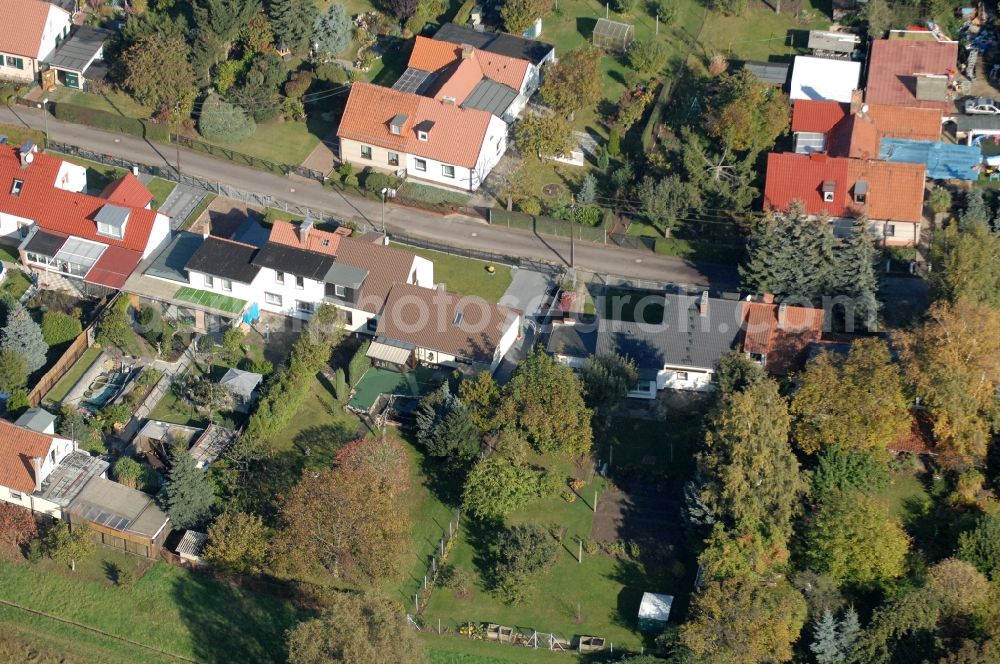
(894, 64)
(113, 267)
(895, 190)
(918, 438)
(425, 317)
(434, 55)
(918, 124)
(855, 136)
(23, 25)
(462, 81)
(817, 116)
(60, 211)
(456, 137)
(129, 191)
(323, 242)
(782, 334)
(18, 447)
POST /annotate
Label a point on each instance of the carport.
(80, 57)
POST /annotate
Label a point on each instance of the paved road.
(455, 230)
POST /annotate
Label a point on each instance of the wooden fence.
(62, 365)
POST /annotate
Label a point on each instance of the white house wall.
(425, 272)
(265, 282)
(507, 340)
(158, 234)
(31, 502)
(71, 177)
(10, 227)
(240, 291)
(56, 27)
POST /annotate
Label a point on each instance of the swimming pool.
(105, 387)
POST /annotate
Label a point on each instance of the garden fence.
(423, 595)
(246, 159)
(63, 364)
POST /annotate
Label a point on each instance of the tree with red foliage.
(17, 525)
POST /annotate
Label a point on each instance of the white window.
(109, 230)
(272, 298)
(209, 281)
(421, 135)
(339, 291)
(304, 307)
(15, 495)
(227, 285)
(682, 375)
(447, 171)
(394, 159)
(15, 62)
(890, 230)
(300, 283)
(420, 164)
(500, 146)
(15, 188)
(366, 152)
(279, 277)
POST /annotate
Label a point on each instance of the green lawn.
(99, 175)
(433, 195)
(465, 276)
(457, 650)
(18, 134)
(282, 142)
(115, 102)
(384, 381)
(760, 33)
(69, 379)
(634, 445)
(160, 189)
(632, 305)
(15, 283)
(169, 609)
(606, 589)
(9, 254)
(172, 408)
(272, 215)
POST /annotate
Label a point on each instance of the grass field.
(9, 254)
(160, 189)
(465, 276)
(456, 650)
(169, 609)
(15, 283)
(17, 134)
(66, 383)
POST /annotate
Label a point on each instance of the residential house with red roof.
(71, 238)
(27, 458)
(30, 31)
(912, 73)
(779, 336)
(889, 195)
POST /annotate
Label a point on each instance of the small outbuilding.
(613, 35)
(654, 612)
(833, 44)
(38, 419)
(211, 444)
(191, 546)
(242, 385)
(80, 58)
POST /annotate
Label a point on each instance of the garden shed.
(654, 611)
(613, 35)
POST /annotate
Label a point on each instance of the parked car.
(981, 106)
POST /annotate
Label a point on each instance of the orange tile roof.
(323, 242)
(919, 437)
(918, 124)
(128, 190)
(434, 55)
(60, 211)
(817, 116)
(894, 63)
(462, 81)
(386, 267)
(18, 446)
(782, 335)
(895, 190)
(113, 268)
(426, 318)
(23, 25)
(456, 137)
(855, 136)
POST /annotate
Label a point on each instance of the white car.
(981, 106)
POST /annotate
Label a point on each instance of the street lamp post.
(45, 118)
(386, 193)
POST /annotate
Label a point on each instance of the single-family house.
(824, 79)
(680, 351)
(538, 53)
(435, 141)
(80, 58)
(469, 77)
(857, 130)
(242, 385)
(434, 326)
(889, 195)
(71, 238)
(121, 518)
(29, 33)
(224, 267)
(912, 73)
(27, 458)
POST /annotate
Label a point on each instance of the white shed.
(654, 612)
(823, 79)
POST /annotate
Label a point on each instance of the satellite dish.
(29, 157)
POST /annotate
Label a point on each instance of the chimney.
(768, 298)
(36, 463)
(467, 51)
(782, 315)
(448, 100)
(703, 304)
(857, 101)
(304, 229)
(27, 153)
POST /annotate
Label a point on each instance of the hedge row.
(464, 12)
(111, 122)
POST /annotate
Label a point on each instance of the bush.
(263, 367)
(524, 549)
(588, 215)
(530, 206)
(331, 73)
(221, 121)
(340, 388)
(124, 578)
(376, 182)
(299, 83)
(464, 13)
(206, 344)
(624, 6)
(110, 121)
(614, 146)
(648, 57)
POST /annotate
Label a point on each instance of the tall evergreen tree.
(855, 276)
(190, 497)
(588, 189)
(825, 645)
(791, 256)
(23, 335)
(976, 211)
(293, 22)
(332, 30)
(848, 630)
(445, 427)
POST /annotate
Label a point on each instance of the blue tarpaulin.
(252, 315)
(944, 161)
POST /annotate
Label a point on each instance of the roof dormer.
(111, 220)
(423, 130)
(396, 124)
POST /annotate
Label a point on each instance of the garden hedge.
(111, 122)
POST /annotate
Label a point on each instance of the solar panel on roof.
(415, 81)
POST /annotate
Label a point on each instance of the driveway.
(180, 203)
(528, 292)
